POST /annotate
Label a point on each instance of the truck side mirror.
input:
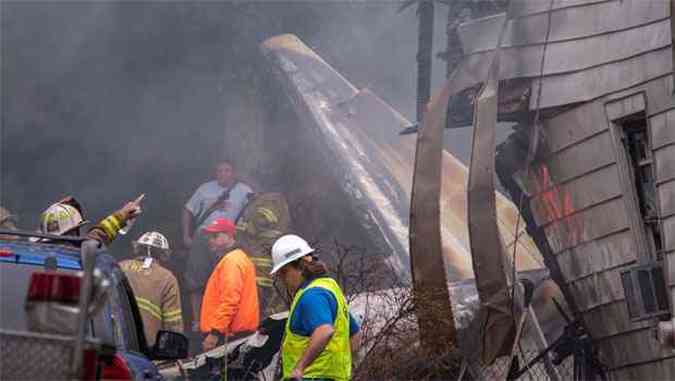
(170, 345)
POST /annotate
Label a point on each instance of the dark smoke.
(107, 100)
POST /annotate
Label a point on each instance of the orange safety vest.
(230, 303)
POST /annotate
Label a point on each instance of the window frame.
(620, 112)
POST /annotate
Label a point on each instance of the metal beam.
(487, 249)
(432, 299)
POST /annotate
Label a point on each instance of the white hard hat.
(60, 218)
(287, 249)
(154, 239)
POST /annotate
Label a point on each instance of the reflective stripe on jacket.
(230, 303)
(335, 362)
(264, 219)
(107, 229)
(157, 296)
(270, 300)
(263, 266)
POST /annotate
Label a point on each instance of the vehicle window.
(132, 328)
(101, 324)
(123, 322)
(119, 326)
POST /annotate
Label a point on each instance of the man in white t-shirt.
(224, 197)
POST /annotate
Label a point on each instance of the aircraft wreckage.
(375, 167)
(360, 133)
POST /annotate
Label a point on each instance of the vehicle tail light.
(52, 302)
(89, 364)
(54, 287)
(6, 253)
(117, 369)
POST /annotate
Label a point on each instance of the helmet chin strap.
(148, 258)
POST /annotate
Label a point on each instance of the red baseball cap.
(220, 225)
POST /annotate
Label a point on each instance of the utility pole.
(425, 11)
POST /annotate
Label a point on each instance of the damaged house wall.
(583, 201)
(596, 204)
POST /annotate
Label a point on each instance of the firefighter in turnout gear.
(263, 220)
(66, 218)
(155, 287)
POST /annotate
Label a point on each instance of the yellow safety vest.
(335, 362)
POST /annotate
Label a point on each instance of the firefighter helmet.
(288, 249)
(61, 218)
(153, 243)
(154, 239)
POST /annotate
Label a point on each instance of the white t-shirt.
(209, 192)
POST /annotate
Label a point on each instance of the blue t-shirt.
(209, 192)
(316, 307)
